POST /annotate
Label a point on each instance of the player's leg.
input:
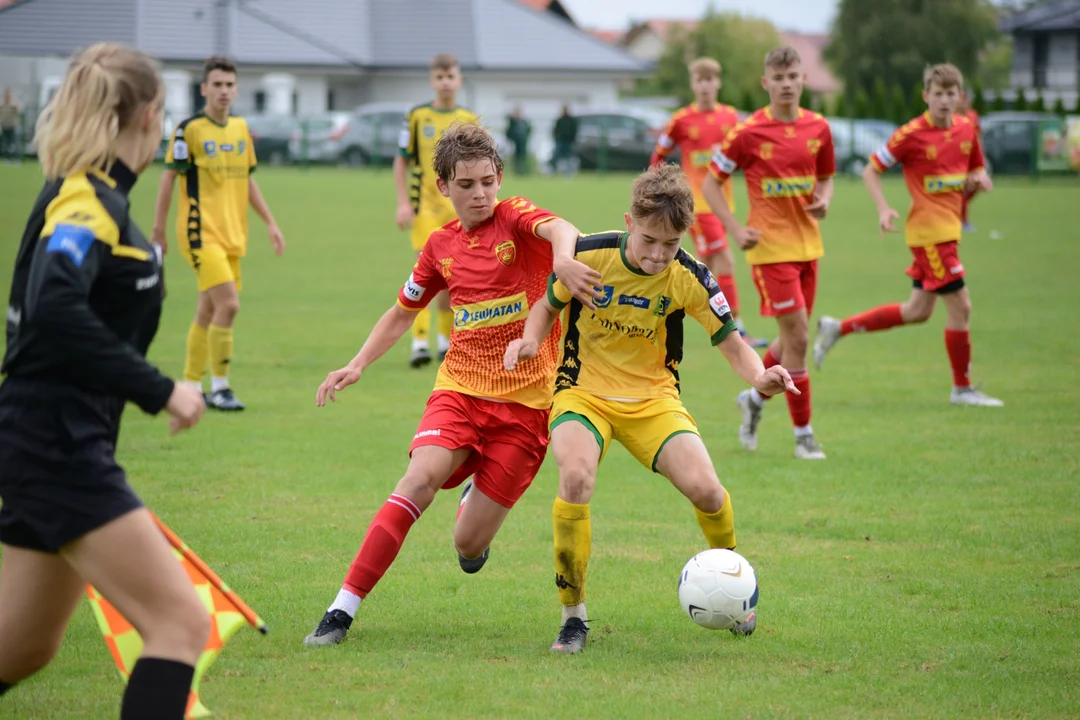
(965, 204)
(219, 281)
(197, 356)
(39, 592)
(129, 561)
(711, 245)
(958, 345)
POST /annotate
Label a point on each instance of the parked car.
(1010, 140)
(320, 137)
(272, 135)
(371, 137)
(856, 140)
(627, 135)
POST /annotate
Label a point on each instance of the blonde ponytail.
(105, 87)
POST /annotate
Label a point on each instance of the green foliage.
(895, 39)
(751, 101)
(978, 98)
(1039, 104)
(861, 109)
(738, 42)
(916, 105)
(995, 64)
(879, 102)
(999, 103)
(1076, 106)
(840, 107)
(1059, 107)
(898, 107)
(1021, 103)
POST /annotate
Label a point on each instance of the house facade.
(1046, 51)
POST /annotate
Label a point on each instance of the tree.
(1021, 101)
(1076, 106)
(861, 109)
(995, 64)
(1059, 107)
(999, 102)
(1039, 105)
(978, 99)
(738, 42)
(749, 102)
(898, 109)
(894, 39)
(917, 104)
(879, 104)
(840, 108)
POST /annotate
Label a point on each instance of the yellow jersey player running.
(619, 377)
(420, 205)
(214, 153)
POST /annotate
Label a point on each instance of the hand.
(885, 221)
(581, 280)
(517, 351)
(186, 405)
(775, 380)
(979, 181)
(747, 237)
(157, 236)
(818, 207)
(276, 239)
(337, 380)
(404, 217)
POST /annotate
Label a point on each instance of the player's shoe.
(968, 227)
(754, 342)
(224, 399)
(331, 629)
(419, 357)
(746, 627)
(828, 333)
(807, 448)
(571, 637)
(471, 565)
(751, 416)
(973, 396)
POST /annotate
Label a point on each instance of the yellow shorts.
(642, 426)
(424, 224)
(213, 266)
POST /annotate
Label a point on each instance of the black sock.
(4, 687)
(157, 690)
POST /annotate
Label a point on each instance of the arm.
(818, 206)
(404, 215)
(581, 279)
(161, 208)
(978, 178)
(748, 366)
(886, 215)
(713, 192)
(537, 327)
(258, 202)
(394, 323)
(665, 143)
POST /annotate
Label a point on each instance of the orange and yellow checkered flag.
(228, 613)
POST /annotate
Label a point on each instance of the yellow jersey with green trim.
(422, 128)
(215, 162)
(630, 347)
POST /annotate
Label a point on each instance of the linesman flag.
(228, 613)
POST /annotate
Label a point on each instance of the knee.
(706, 493)
(576, 481)
(960, 310)
(916, 313)
(182, 628)
(470, 542)
(227, 310)
(22, 662)
(420, 485)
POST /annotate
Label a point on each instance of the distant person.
(566, 130)
(10, 119)
(518, 130)
(971, 114)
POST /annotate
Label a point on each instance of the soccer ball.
(718, 589)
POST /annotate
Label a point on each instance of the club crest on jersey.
(506, 252)
(931, 152)
(609, 293)
(240, 147)
(765, 151)
(444, 266)
(429, 131)
(789, 132)
(693, 132)
(662, 304)
(813, 145)
(210, 148)
(965, 147)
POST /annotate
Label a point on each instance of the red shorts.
(786, 287)
(709, 235)
(937, 268)
(508, 442)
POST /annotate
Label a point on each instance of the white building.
(316, 55)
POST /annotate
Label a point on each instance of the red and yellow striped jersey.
(782, 163)
(494, 273)
(936, 163)
(698, 134)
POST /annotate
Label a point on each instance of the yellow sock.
(719, 527)
(446, 323)
(221, 349)
(198, 353)
(573, 545)
(421, 326)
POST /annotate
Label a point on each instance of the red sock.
(381, 544)
(770, 359)
(731, 292)
(880, 318)
(958, 343)
(799, 405)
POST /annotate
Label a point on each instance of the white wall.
(1064, 65)
(30, 78)
(647, 46)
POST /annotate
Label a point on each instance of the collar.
(123, 176)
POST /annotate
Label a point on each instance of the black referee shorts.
(58, 474)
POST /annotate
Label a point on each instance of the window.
(260, 101)
(198, 102)
(1040, 58)
(330, 100)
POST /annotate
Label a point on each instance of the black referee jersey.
(87, 293)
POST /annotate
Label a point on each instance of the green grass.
(929, 568)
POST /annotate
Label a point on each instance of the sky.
(797, 15)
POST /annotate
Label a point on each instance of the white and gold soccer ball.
(718, 589)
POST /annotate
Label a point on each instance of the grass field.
(929, 568)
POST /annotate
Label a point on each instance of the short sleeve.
(976, 161)
(424, 283)
(407, 137)
(891, 152)
(253, 162)
(730, 156)
(826, 155)
(524, 216)
(704, 300)
(178, 155)
(668, 139)
(558, 295)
